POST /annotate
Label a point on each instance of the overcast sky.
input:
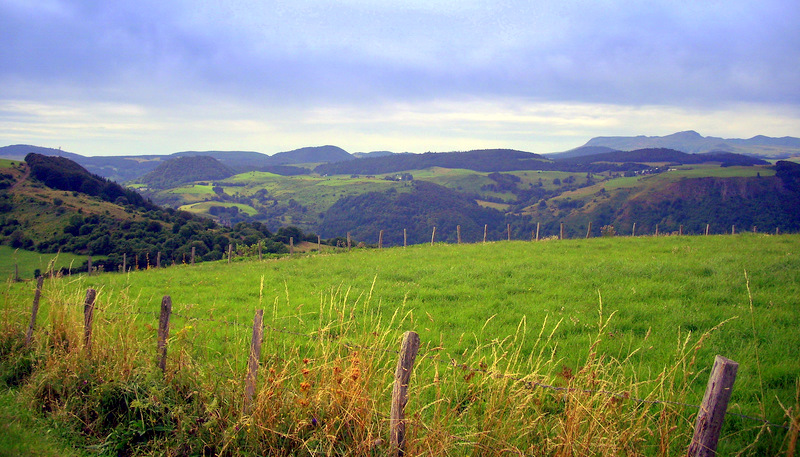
(101, 77)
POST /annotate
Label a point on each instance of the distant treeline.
(497, 160)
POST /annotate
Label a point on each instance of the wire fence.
(451, 362)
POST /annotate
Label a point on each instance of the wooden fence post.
(16, 272)
(733, 230)
(380, 240)
(708, 226)
(230, 251)
(158, 260)
(34, 310)
(252, 362)
(124, 262)
(633, 231)
(680, 230)
(88, 317)
(291, 245)
(485, 231)
(319, 246)
(537, 231)
(458, 233)
(405, 238)
(163, 331)
(433, 235)
(260, 251)
(561, 232)
(712, 410)
(754, 229)
(89, 266)
(656, 229)
(589, 230)
(348, 241)
(402, 376)
(777, 231)
(508, 229)
(193, 255)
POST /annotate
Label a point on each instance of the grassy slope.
(28, 261)
(661, 290)
(23, 434)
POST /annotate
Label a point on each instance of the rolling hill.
(185, 169)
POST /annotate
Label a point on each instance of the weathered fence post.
(633, 231)
(485, 231)
(348, 241)
(537, 231)
(16, 272)
(589, 230)
(260, 251)
(125, 261)
(561, 232)
(163, 331)
(708, 226)
(777, 231)
(252, 361)
(34, 310)
(88, 317)
(433, 235)
(158, 260)
(405, 238)
(458, 233)
(508, 229)
(193, 255)
(680, 230)
(380, 240)
(291, 245)
(754, 229)
(712, 410)
(230, 251)
(319, 246)
(656, 229)
(402, 376)
(89, 265)
(733, 230)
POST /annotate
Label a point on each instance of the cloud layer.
(146, 76)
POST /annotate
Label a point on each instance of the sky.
(99, 77)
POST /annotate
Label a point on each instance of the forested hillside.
(182, 170)
(427, 205)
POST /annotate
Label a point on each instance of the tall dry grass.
(328, 392)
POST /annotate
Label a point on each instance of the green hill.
(182, 170)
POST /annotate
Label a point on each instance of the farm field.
(624, 309)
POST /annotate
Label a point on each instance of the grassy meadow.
(639, 317)
(27, 262)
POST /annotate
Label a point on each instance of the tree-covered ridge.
(663, 155)
(182, 170)
(427, 205)
(486, 160)
(51, 212)
(64, 174)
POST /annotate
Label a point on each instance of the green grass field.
(637, 305)
(28, 261)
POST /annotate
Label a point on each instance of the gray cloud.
(299, 54)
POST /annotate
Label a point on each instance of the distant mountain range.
(694, 143)
(333, 159)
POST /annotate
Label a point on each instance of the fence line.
(706, 432)
(452, 362)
